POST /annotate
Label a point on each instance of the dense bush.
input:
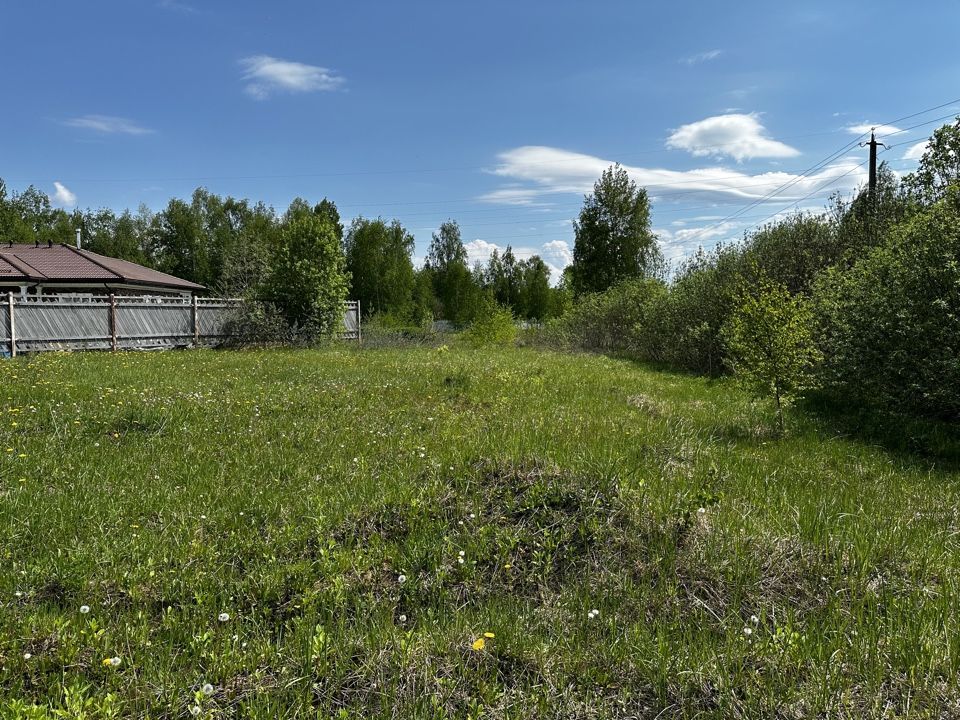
(889, 327)
(492, 324)
(610, 320)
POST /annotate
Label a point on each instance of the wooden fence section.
(112, 322)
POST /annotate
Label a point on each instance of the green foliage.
(378, 259)
(492, 324)
(308, 280)
(615, 320)
(939, 167)
(613, 237)
(889, 327)
(769, 341)
(455, 289)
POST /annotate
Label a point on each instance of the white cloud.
(867, 128)
(107, 125)
(702, 57)
(915, 152)
(545, 171)
(737, 135)
(480, 250)
(267, 75)
(558, 253)
(63, 196)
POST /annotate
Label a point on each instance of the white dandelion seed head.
(472, 515)
(748, 631)
(115, 661)
(84, 609)
(223, 617)
(401, 579)
(754, 619)
(27, 656)
(701, 511)
(461, 553)
(195, 710)
(207, 689)
(403, 618)
(460, 560)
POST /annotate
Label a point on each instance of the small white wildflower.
(754, 619)
(203, 517)
(701, 511)
(472, 515)
(223, 617)
(593, 613)
(115, 661)
(27, 656)
(401, 579)
(748, 631)
(459, 522)
(207, 689)
(461, 553)
(403, 618)
(18, 594)
(84, 609)
(460, 560)
(195, 710)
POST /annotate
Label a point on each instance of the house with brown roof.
(56, 269)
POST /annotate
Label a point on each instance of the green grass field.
(332, 533)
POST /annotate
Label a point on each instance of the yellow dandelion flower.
(479, 644)
(107, 662)
(489, 635)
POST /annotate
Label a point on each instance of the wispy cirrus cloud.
(736, 135)
(107, 125)
(865, 128)
(63, 196)
(536, 172)
(177, 6)
(701, 57)
(916, 151)
(267, 75)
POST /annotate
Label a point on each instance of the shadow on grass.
(912, 438)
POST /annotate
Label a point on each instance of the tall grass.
(331, 533)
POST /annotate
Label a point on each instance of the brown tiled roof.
(60, 264)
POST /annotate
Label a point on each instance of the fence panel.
(63, 325)
(99, 322)
(153, 324)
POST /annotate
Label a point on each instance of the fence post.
(11, 325)
(196, 323)
(359, 332)
(113, 322)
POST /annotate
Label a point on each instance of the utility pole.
(873, 166)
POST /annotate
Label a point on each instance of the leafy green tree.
(613, 236)
(770, 342)
(422, 298)
(454, 286)
(308, 280)
(179, 242)
(536, 295)
(380, 265)
(889, 327)
(939, 167)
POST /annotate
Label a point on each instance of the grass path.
(330, 533)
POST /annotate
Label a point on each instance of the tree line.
(859, 304)
(303, 261)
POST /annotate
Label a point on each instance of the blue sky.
(497, 114)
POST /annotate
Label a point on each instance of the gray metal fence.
(110, 322)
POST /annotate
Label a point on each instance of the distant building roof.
(62, 265)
